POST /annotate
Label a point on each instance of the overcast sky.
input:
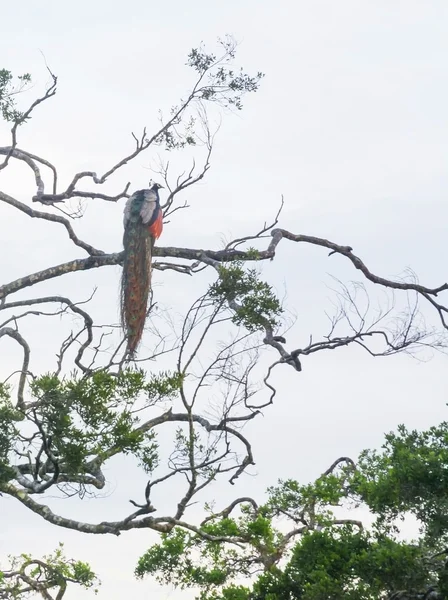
(350, 125)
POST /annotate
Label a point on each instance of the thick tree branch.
(214, 257)
(91, 262)
(160, 524)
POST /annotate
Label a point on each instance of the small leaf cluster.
(257, 305)
(8, 91)
(223, 84)
(9, 417)
(173, 139)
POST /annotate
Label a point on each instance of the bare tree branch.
(51, 91)
(347, 251)
(35, 214)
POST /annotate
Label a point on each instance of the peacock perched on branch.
(143, 224)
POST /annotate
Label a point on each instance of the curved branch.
(13, 333)
(343, 459)
(227, 511)
(35, 214)
(10, 151)
(46, 163)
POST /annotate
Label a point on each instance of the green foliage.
(186, 559)
(232, 592)
(27, 574)
(93, 416)
(8, 91)
(170, 562)
(256, 303)
(336, 563)
(9, 416)
(224, 527)
(312, 499)
(342, 563)
(336, 560)
(410, 474)
(252, 254)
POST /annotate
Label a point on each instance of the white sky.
(350, 125)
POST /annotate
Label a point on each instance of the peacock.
(143, 225)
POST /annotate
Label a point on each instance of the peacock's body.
(143, 224)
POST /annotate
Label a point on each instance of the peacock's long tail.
(135, 282)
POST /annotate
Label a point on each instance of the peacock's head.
(154, 186)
